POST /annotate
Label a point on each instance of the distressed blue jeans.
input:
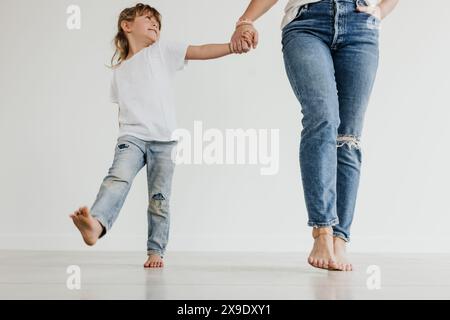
(131, 155)
(330, 52)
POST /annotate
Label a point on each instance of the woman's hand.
(244, 38)
(382, 10)
(372, 10)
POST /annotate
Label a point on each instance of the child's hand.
(244, 38)
(247, 40)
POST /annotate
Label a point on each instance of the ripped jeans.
(331, 55)
(131, 155)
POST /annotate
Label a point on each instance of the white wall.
(58, 132)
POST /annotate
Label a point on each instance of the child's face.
(146, 27)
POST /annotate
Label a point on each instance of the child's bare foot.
(341, 254)
(154, 261)
(322, 255)
(90, 228)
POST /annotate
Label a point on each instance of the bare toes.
(84, 211)
(320, 263)
(334, 265)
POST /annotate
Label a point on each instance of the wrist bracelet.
(238, 25)
(230, 47)
(242, 22)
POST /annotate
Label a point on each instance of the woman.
(330, 51)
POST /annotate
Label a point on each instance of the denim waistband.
(361, 2)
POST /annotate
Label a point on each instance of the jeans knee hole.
(351, 141)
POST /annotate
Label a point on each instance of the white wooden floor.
(106, 275)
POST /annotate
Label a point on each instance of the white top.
(142, 86)
(291, 10)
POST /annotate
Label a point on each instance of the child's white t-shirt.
(142, 86)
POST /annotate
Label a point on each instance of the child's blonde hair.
(120, 40)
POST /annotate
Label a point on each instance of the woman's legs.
(355, 62)
(310, 70)
(331, 55)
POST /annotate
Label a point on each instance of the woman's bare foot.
(341, 254)
(154, 261)
(90, 228)
(322, 255)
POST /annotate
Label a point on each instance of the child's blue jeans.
(131, 155)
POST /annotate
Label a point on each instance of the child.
(142, 87)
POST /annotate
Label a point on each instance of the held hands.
(245, 37)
